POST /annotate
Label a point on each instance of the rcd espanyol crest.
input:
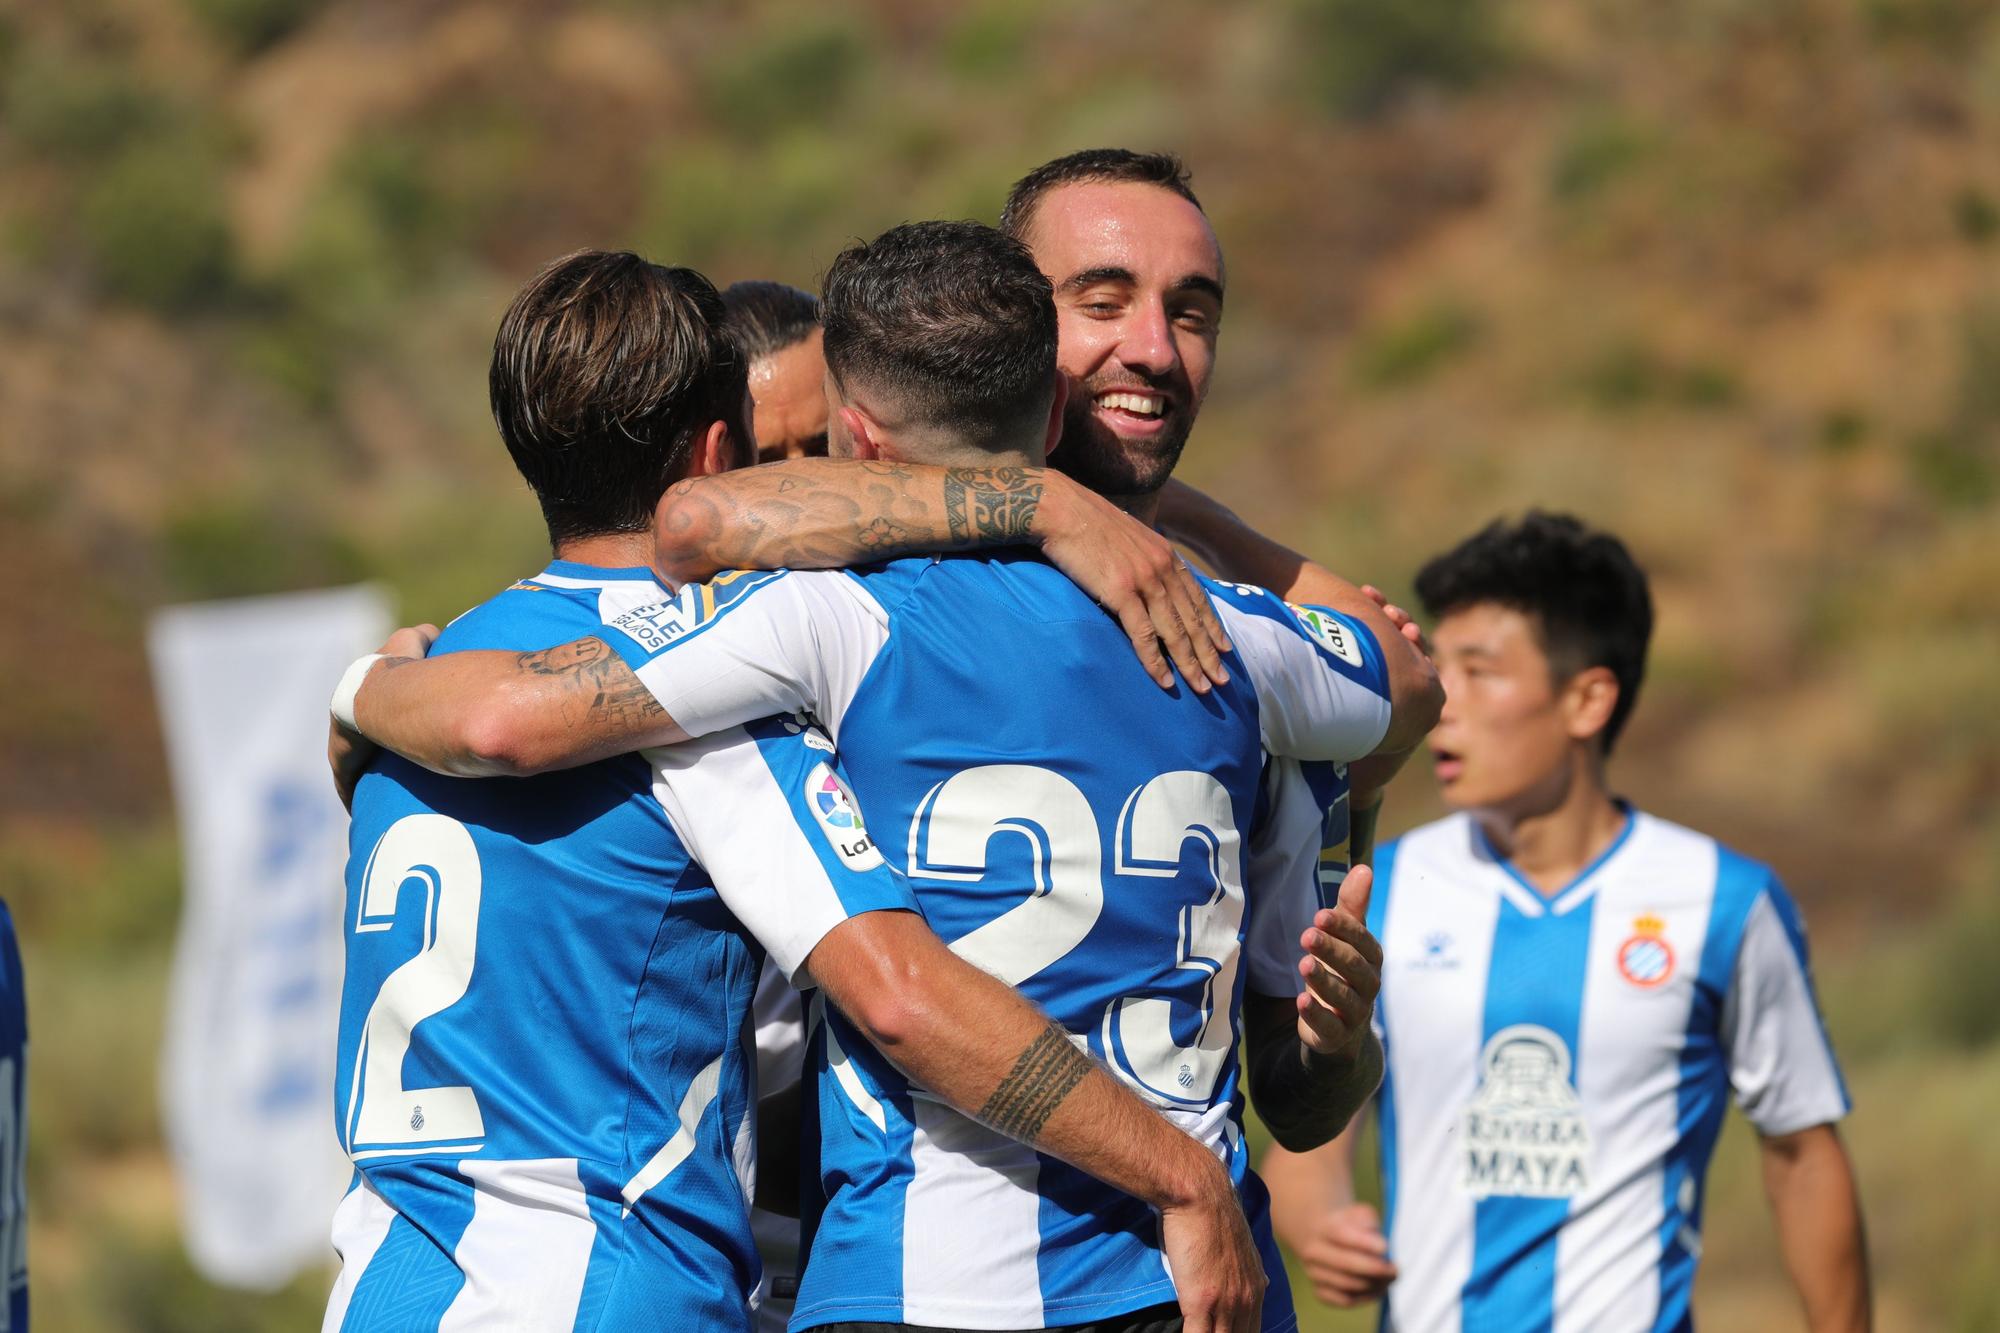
(1646, 959)
(1524, 1129)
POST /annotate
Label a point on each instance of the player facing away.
(1572, 992)
(1067, 826)
(543, 1078)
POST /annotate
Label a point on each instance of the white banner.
(247, 1069)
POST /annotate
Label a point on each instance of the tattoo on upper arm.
(610, 692)
(1040, 1081)
(993, 504)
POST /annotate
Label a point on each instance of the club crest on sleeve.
(839, 818)
(1646, 959)
(1328, 633)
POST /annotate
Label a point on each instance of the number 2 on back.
(383, 1117)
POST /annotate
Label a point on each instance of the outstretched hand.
(348, 752)
(1342, 971)
(1134, 573)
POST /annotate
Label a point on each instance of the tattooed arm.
(975, 1042)
(826, 513)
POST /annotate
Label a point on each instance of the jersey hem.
(1073, 1309)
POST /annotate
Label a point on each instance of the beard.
(1094, 455)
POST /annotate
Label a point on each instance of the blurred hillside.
(1722, 275)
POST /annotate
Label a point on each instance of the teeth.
(1145, 404)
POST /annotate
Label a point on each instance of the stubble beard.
(1092, 454)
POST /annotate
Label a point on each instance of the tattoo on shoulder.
(994, 505)
(610, 692)
(1040, 1081)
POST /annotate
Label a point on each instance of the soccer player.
(1572, 990)
(777, 328)
(542, 1077)
(1071, 829)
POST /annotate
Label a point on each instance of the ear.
(865, 434)
(1055, 427)
(1589, 699)
(715, 452)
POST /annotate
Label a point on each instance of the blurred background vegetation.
(1723, 275)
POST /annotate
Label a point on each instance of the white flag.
(254, 1010)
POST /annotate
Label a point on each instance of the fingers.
(1355, 891)
(1350, 933)
(1138, 626)
(410, 641)
(1173, 634)
(1197, 616)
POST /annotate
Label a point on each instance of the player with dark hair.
(777, 328)
(542, 1078)
(1071, 829)
(1572, 991)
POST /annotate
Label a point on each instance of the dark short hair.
(1094, 166)
(605, 369)
(1585, 593)
(767, 317)
(951, 319)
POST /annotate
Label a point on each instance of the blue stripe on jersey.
(412, 1280)
(805, 774)
(1323, 625)
(1795, 935)
(853, 1169)
(1543, 959)
(1385, 1096)
(1703, 1098)
(602, 573)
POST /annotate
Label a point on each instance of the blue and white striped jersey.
(1559, 1069)
(1072, 829)
(544, 1078)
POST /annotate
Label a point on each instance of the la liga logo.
(1646, 959)
(836, 807)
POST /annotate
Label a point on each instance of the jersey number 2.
(383, 1117)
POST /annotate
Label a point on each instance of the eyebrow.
(1091, 277)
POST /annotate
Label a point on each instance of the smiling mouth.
(1140, 404)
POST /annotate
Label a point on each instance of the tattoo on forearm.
(1041, 1079)
(611, 695)
(994, 504)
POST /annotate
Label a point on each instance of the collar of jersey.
(1521, 892)
(570, 569)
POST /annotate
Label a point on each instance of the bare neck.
(1145, 508)
(609, 550)
(1551, 835)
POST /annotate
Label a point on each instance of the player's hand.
(1135, 574)
(1218, 1276)
(1346, 1256)
(1405, 624)
(348, 752)
(1342, 971)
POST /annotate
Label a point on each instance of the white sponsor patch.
(1523, 1130)
(839, 817)
(654, 627)
(1328, 633)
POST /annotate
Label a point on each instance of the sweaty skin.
(788, 405)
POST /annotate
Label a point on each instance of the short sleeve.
(1322, 683)
(752, 644)
(779, 1016)
(1781, 1064)
(1294, 865)
(768, 813)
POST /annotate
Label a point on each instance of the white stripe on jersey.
(1431, 1225)
(1781, 1068)
(843, 1070)
(359, 1225)
(1304, 709)
(694, 1104)
(963, 1173)
(527, 1217)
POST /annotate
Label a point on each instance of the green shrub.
(1598, 149)
(991, 41)
(1976, 215)
(154, 227)
(249, 26)
(1413, 349)
(61, 107)
(1362, 54)
(800, 71)
(238, 547)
